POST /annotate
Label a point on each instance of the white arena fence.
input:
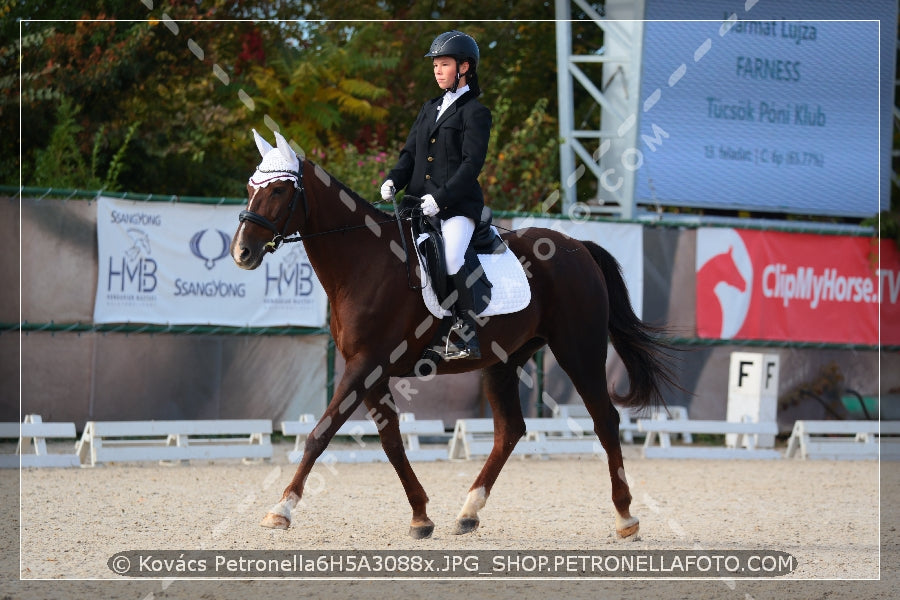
(179, 442)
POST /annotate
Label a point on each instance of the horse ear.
(286, 151)
(261, 143)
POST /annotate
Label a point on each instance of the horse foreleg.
(345, 400)
(384, 412)
(502, 389)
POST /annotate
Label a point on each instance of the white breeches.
(457, 235)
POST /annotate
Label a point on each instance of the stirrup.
(451, 350)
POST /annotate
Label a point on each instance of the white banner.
(166, 263)
(624, 241)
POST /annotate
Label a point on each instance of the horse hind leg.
(502, 389)
(581, 364)
(627, 525)
(606, 426)
(384, 412)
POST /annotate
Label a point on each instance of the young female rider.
(442, 158)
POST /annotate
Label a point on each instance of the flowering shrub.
(363, 171)
(523, 170)
(518, 175)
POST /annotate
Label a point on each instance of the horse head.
(729, 272)
(275, 191)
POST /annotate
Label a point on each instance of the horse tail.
(646, 355)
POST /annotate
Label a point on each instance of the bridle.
(258, 219)
(300, 194)
(280, 236)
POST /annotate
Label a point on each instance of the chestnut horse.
(381, 326)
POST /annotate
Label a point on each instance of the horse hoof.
(466, 525)
(421, 532)
(628, 528)
(275, 521)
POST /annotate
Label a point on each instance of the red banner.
(797, 287)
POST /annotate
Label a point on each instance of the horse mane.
(361, 202)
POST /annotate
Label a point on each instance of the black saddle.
(431, 248)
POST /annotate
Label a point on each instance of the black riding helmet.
(461, 47)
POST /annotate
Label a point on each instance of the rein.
(300, 194)
(280, 237)
(300, 238)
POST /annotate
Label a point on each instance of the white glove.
(429, 205)
(387, 190)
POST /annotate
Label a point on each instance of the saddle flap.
(430, 247)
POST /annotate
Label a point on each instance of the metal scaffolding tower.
(598, 85)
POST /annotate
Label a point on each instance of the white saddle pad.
(510, 292)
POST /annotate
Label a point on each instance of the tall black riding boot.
(465, 311)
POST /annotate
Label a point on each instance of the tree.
(320, 92)
(122, 73)
(61, 164)
(345, 91)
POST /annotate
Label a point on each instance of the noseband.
(258, 219)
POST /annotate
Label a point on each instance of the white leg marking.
(475, 501)
(281, 509)
(285, 506)
(622, 524)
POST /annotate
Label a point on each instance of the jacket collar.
(436, 105)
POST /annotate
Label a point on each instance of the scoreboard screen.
(782, 107)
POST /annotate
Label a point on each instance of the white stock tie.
(445, 102)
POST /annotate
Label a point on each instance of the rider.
(442, 159)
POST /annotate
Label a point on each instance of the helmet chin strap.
(456, 83)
